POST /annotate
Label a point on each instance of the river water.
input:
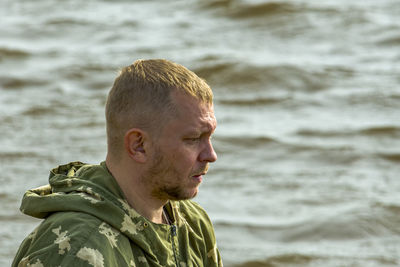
(307, 98)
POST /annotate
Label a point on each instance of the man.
(134, 208)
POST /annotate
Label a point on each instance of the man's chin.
(177, 193)
(185, 196)
(194, 194)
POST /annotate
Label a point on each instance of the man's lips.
(199, 177)
(200, 174)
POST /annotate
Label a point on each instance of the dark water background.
(307, 99)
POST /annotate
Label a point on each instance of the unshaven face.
(183, 150)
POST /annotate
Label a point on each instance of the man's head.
(141, 98)
(160, 119)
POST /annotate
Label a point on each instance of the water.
(307, 100)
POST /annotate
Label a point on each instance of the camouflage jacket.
(88, 222)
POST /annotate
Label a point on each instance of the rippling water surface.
(307, 100)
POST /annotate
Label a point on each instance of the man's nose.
(208, 154)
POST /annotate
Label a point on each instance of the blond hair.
(140, 97)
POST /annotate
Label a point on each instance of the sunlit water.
(307, 98)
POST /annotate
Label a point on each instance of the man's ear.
(135, 144)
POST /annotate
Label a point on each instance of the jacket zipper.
(173, 233)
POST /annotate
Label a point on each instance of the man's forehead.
(195, 114)
(199, 120)
(188, 103)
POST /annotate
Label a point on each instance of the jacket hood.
(76, 187)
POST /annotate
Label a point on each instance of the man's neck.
(138, 196)
(145, 205)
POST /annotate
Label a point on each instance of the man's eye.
(193, 139)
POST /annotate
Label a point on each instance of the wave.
(259, 141)
(276, 149)
(236, 76)
(387, 35)
(262, 9)
(82, 72)
(381, 130)
(320, 133)
(12, 53)
(378, 219)
(280, 260)
(243, 10)
(390, 131)
(18, 155)
(67, 22)
(53, 108)
(299, 259)
(390, 41)
(392, 209)
(395, 157)
(39, 111)
(20, 83)
(253, 102)
(4, 196)
(248, 142)
(331, 153)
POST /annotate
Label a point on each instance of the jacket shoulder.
(72, 239)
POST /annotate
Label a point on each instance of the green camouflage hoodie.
(88, 222)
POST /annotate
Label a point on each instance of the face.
(183, 150)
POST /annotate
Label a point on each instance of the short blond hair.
(140, 97)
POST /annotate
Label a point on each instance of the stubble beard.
(164, 180)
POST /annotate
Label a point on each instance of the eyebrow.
(205, 129)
